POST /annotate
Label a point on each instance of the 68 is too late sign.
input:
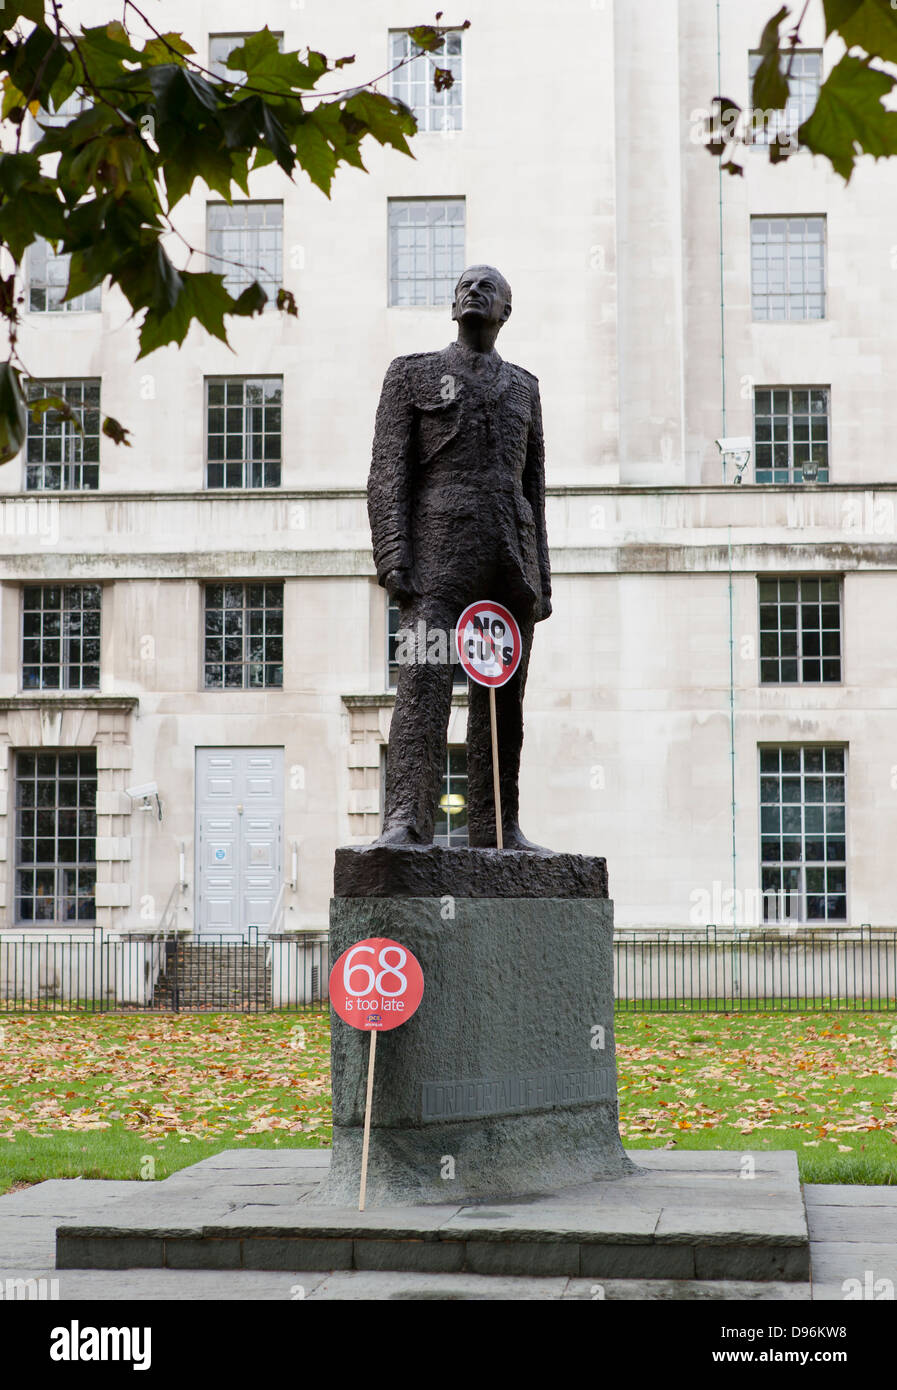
(376, 985)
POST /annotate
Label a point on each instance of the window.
(247, 238)
(243, 431)
(48, 278)
(392, 638)
(426, 249)
(451, 809)
(800, 630)
(803, 93)
(57, 454)
(802, 833)
(414, 83)
(221, 46)
(56, 826)
(61, 637)
(243, 636)
(791, 434)
(788, 267)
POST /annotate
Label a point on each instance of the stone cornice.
(77, 700)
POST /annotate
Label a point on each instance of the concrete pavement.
(852, 1241)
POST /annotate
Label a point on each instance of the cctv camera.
(735, 444)
(145, 789)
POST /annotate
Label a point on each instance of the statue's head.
(483, 293)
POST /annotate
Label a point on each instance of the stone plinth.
(504, 1082)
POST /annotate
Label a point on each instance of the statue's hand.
(398, 585)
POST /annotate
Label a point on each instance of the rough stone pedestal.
(504, 1082)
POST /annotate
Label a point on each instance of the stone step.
(210, 976)
(682, 1216)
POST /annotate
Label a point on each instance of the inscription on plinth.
(508, 1095)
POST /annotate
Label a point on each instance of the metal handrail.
(170, 911)
(278, 909)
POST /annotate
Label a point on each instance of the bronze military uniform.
(456, 500)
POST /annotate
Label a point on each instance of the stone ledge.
(74, 700)
(431, 871)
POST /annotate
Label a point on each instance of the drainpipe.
(722, 334)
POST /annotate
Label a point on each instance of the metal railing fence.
(730, 970)
(99, 973)
(708, 970)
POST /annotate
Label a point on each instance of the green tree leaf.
(867, 24)
(269, 69)
(849, 116)
(428, 38)
(115, 431)
(202, 297)
(22, 9)
(314, 151)
(770, 89)
(252, 300)
(13, 413)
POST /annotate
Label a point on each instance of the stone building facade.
(713, 705)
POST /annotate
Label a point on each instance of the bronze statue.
(456, 501)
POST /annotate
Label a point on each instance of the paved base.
(683, 1217)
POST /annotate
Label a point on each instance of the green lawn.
(824, 1085)
(125, 1095)
(96, 1096)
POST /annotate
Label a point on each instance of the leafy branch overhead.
(154, 121)
(849, 118)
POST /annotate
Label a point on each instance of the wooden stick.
(495, 782)
(367, 1121)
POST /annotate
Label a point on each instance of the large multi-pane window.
(61, 636)
(221, 46)
(791, 434)
(804, 80)
(245, 243)
(48, 278)
(800, 630)
(243, 636)
(57, 454)
(450, 827)
(788, 267)
(243, 431)
(55, 836)
(392, 642)
(451, 809)
(802, 834)
(426, 249)
(415, 83)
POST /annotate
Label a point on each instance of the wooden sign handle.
(495, 781)
(367, 1121)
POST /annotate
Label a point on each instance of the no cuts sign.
(489, 645)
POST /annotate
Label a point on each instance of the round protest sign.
(489, 645)
(376, 985)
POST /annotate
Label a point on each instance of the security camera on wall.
(142, 793)
(736, 450)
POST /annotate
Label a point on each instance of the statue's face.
(481, 293)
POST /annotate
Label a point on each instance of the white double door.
(239, 833)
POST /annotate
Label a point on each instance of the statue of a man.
(456, 500)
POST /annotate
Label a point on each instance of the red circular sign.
(488, 640)
(376, 984)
